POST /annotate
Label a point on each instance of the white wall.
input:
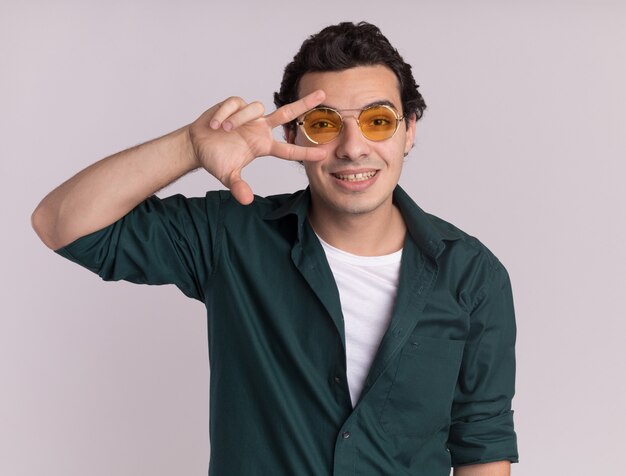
(523, 145)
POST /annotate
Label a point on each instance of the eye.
(322, 120)
(380, 122)
(378, 118)
(321, 124)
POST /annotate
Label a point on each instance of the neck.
(376, 233)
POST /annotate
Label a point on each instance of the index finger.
(293, 110)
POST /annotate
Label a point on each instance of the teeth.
(356, 177)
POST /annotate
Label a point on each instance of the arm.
(223, 140)
(498, 468)
(482, 429)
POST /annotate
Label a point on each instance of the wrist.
(187, 152)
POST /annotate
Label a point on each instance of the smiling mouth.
(360, 177)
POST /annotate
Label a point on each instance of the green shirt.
(440, 387)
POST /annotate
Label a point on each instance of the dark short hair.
(344, 46)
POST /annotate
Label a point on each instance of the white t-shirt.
(367, 291)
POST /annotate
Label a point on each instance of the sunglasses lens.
(378, 123)
(322, 125)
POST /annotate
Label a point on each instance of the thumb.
(241, 190)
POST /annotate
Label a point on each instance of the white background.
(523, 145)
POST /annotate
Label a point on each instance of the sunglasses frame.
(399, 119)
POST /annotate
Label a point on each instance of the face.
(358, 176)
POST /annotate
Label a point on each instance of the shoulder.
(261, 207)
(461, 242)
(466, 260)
(218, 202)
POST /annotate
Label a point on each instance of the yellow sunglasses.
(323, 124)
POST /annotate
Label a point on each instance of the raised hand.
(233, 133)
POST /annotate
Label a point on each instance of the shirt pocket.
(420, 399)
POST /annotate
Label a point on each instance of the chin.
(358, 207)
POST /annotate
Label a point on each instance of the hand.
(233, 133)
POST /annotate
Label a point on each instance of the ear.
(410, 133)
(289, 134)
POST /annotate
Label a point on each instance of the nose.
(351, 143)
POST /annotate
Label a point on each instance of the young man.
(349, 331)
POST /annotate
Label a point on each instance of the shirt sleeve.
(161, 241)
(482, 420)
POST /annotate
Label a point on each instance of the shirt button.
(337, 380)
(346, 435)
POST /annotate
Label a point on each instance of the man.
(349, 332)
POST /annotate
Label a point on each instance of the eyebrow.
(382, 102)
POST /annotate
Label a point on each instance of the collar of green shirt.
(428, 232)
